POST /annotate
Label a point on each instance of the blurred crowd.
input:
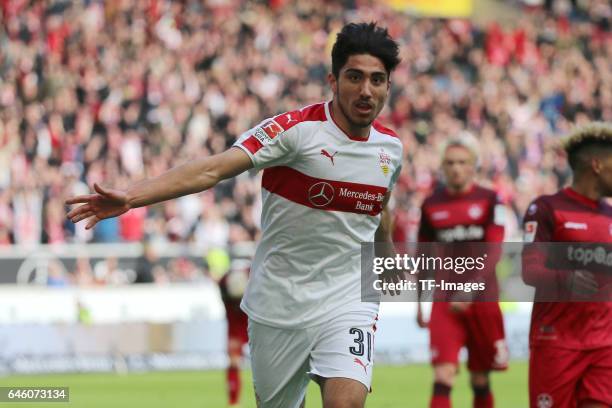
(112, 271)
(114, 91)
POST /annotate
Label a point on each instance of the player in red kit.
(571, 342)
(463, 212)
(232, 286)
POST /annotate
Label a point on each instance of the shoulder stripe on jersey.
(314, 113)
(252, 144)
(268, 130)
(384, 130)
(262, 135)
(323, 194)
(311, 113)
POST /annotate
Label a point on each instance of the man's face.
(360, 90)
(604, 173)
(459, 167)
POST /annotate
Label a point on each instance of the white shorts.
(284, 360)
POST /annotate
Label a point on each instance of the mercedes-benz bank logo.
(321, 194)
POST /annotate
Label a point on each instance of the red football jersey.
(470, 217)
(473, 216)
(565, 217)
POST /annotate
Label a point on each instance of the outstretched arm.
(191, 177)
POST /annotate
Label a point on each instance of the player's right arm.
(191, 177)
(539, 225)
(272, 142)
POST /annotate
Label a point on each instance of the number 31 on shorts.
(362, 343)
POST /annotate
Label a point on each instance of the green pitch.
(394, 387)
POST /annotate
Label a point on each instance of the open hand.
(392, 276)
(582, 283)
(106, 203)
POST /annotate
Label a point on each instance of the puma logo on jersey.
(358, 361)
(329, 156)
(290, 119)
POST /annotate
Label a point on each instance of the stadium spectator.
(108, 272)
(56, 276)
(146, 264)
(82, 275)
(121, 90)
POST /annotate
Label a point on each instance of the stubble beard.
(350, 121)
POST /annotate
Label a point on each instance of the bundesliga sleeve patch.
(269, 130)
(262, 135)
(531, 227)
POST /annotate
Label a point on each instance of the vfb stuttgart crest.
(384, 160)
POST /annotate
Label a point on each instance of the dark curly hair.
(364, 38)
(593, 139)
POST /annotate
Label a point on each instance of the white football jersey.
(322, 197)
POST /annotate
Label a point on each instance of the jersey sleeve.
(495, 227)
(538, 226)
(538, 223)
(269, 143)
(426, 230)
(394, 177)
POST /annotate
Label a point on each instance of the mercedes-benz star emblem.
(320, 194)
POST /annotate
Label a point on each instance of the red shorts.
(237, 322)
(480, 328)
(564, 378)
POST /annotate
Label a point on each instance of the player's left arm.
(383, 240)
(384, 244)
(385, 228)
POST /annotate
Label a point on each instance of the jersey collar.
(462, 193)
(573, 194)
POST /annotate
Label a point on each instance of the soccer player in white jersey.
(328, 172)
